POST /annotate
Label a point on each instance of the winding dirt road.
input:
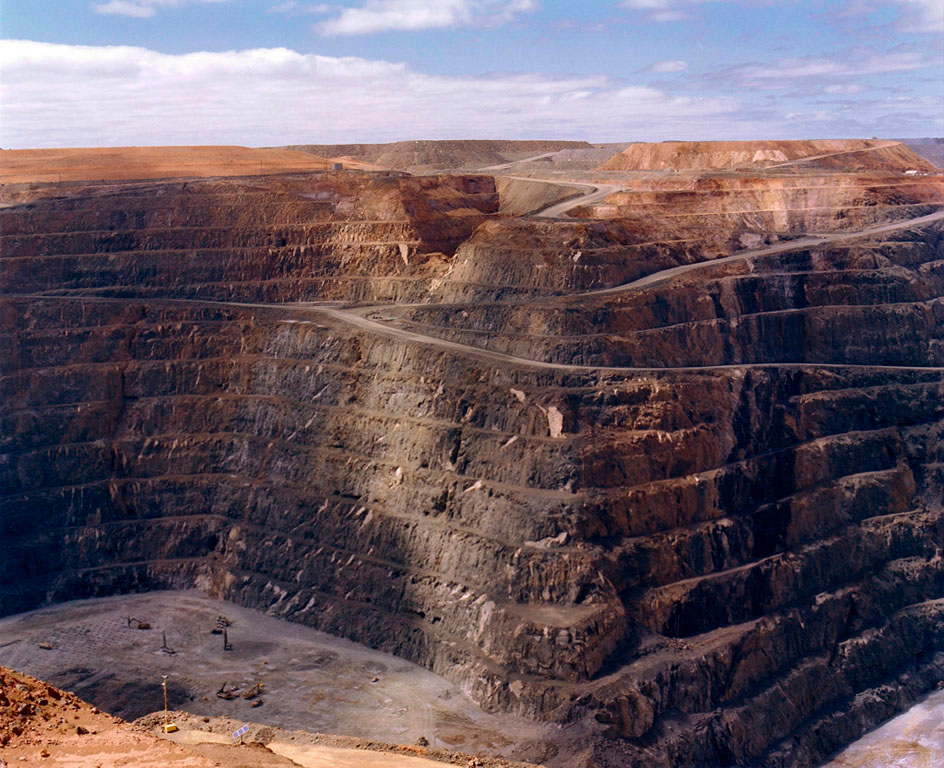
(811, 158)
(355, 316)
(593, 193)
(505, 166)
(811, 241)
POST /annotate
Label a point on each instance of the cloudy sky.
(272, 72)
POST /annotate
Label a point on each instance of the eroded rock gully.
(735, 561)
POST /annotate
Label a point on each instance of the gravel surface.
(311, 681)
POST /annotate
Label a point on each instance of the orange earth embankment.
(131, 163)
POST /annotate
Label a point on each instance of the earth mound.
(838, 154)
(131, 163)
(39, 722)
(520, 197)
(931, 149)
(434, 155)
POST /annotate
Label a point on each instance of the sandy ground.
(337, 757)
(130, 163)
(213, 738)
(914, 739)
(43, 725)
(312, 681)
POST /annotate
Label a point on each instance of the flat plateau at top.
(661, 463)
(134, 163)
(130, 163)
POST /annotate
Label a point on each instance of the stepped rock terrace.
(695, 516)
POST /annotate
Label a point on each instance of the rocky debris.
(39, 722)
(844, 154)
(32, 711)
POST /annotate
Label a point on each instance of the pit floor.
(914, 739)
(312, 681)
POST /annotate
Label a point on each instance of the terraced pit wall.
(740, 561)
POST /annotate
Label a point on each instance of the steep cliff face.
(697, 521)
(735, 205)
(341, 236)
(858, 302)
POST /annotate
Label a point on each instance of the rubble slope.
(839, 154)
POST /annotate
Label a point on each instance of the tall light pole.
(168, 726)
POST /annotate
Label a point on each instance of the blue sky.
(267, 72)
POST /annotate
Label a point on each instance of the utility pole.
(169, 727)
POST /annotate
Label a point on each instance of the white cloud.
(664, 16)
(386, 15)
(63, 95)
(780, 73)
(125, 8)
(651, 5)
(663, 10)
(291, 7)
(843, 89)
(819, 116)
(916, 16)
(922, 16)
(142, 9)
(670, 65)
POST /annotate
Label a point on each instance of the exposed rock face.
(736, 204)
(842, 154)
(700, 522)
(328, 237)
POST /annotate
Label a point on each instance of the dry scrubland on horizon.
(663, 469)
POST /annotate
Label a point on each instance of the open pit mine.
(642, 448)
